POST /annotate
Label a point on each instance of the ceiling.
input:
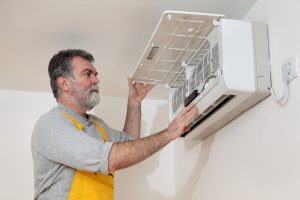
(114, 31)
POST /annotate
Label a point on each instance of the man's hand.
(179, 125)
(138, 91)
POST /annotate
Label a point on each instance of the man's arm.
(137, 92)
(125, 154)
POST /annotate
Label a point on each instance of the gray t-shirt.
(59, 148)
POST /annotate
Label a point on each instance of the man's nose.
(95, 80)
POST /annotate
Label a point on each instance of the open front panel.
(175, 42)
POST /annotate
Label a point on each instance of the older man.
(75, 154)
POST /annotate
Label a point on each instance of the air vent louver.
(217, 105)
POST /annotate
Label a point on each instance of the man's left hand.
(138, 91)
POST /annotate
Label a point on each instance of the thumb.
(130, 82)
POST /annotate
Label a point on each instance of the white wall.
(19, 112)
(154, 177)
(257, 155)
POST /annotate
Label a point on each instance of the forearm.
(126, 154)
(133, 119)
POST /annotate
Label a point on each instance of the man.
(75, 153)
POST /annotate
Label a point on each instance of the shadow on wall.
(134, 183)
(160, 116)
(141, 188)
(189, 187)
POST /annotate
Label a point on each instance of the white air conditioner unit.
(219, 64)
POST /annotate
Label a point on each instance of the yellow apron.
(91, 185)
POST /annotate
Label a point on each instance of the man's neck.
(73, 107)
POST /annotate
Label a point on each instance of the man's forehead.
(79, 63)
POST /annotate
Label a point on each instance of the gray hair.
(60, 66)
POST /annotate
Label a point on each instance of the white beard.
(91, 100)
(85, 98)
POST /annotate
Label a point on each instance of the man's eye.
(87, 74)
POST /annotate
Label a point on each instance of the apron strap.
(81, 127)
(75, 122)
(101, 130)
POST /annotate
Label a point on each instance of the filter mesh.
(207, 60)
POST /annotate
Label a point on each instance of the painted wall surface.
(257, 155)
(19, 112)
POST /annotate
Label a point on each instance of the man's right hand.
(179, 125)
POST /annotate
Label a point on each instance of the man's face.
(84, 86)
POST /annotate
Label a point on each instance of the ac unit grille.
(217, 105)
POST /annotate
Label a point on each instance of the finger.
(129, 82)
(186, 109)
(144, 88)
(191, 114)
(192, 111)
(187, 116)
(190, 117)
(186, 129)
(140, 86)
(191, 106)
(149, 87)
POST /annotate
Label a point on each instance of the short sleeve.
(58, 140)
(113, 134)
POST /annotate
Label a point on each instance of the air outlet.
(217, 105)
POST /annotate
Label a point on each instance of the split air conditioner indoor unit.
(219, 64)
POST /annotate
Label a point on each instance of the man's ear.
(64, 84)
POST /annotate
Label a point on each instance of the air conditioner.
(219, 64)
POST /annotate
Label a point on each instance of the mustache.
(94, 88)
